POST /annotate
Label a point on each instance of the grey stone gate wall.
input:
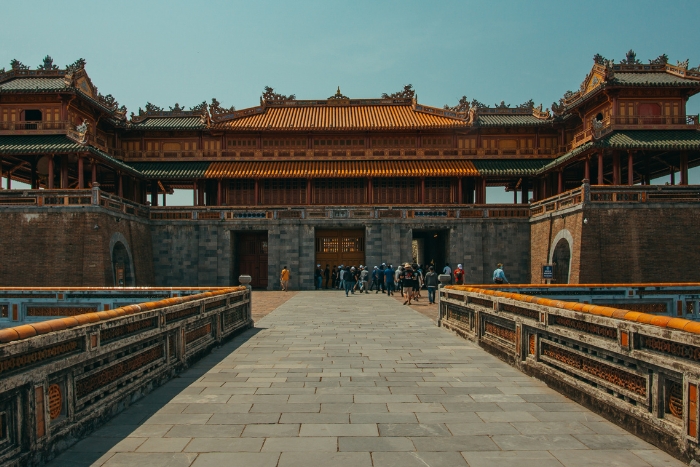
(202, 253)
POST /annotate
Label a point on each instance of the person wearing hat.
(459, 274)
(364, 280)
(318, 277)
(499, 276)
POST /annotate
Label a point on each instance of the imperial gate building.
(348, 181)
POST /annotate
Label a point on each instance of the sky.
(168, 52)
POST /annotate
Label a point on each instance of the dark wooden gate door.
(336, 247)
(252, 258)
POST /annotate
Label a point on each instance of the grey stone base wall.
(203, 253)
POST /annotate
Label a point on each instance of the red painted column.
(601, 178)
(64, 172)
(560, 182)
(524, 191)
(370, 190)
(120, 192)
(194, 193)
(422, 190)
(460, 194)
(587, 169)
(219, 192)
(81, 174)
(684, 168)
(483, 191)
(515, 196)
(309, 199)
(154, 191)
(51, 175)
(256, 195)
(94, 171)
(630, 168)
(202, 186)
(617, 178)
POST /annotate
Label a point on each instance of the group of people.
(408, 278)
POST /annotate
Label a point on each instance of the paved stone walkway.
(327, 380)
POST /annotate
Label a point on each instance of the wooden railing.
(14, 127)
(61, 379)
(639, 370)
(562, 201)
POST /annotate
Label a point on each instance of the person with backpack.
(431, 282)
(459, 275)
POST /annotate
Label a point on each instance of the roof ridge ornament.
(406, 93)
(338, 95)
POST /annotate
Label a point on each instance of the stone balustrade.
(62, 378)
(639, 370)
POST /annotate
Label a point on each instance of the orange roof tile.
(341, 169)
(348, 117)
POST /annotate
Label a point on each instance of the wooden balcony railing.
(31, 126)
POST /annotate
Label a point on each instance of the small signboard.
(548, 271)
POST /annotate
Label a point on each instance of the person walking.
(349, 279)
(389, 280)
(499, 277)
(417, 281)
(373, 278)
(284, 279)
(380, 276)
(459, 275)
(341, 276)
(364, 279)
(318, 277)
(327, 275)
(397, 278)
(407, 278)
(431, 282)
(334, 277)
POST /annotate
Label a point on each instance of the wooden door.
(649, 114)
(336, 247)
(252, 258)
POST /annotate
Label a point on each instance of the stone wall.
(70, 247)
(204, 253)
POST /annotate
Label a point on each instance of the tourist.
(431, 282)
(389, 280)
(407, 278)
(334, 277)
(318, 277)
(373, 278)
(327, 276)
(417, 281)
(397, 278)
(447, 270)
(380, 276)
(459, 274)
(284, 279)
(364, 278)
(499, 276)
(341, 276)
(349, 280)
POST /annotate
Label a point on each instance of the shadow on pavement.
(100, 442)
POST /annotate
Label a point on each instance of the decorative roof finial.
(338, 95)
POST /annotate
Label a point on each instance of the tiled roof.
(34, 84)
(341, 169)
(171, 123)
(55, 144)
(652, 139)
(651, 79)
(509, 120)
(354, 117)
(172, 170)
(510, 167)
(569, 155)
(38, 144)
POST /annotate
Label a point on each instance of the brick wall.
(52, 247)
(634, 243)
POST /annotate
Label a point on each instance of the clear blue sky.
(186, 52)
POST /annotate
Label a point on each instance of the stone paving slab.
(357, 381)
